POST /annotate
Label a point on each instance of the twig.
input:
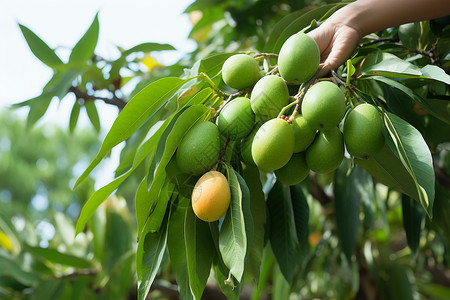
(380, 40)
(218, 91)
(317, 191)
(114, 100)
(85, 272)
(230, 97)
(338, 80)
(256, 56)
(430, 54)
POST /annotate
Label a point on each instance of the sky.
(61, 23)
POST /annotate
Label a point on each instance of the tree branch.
(442, 177)
(114, 100)
(380, 40)
(317, 191)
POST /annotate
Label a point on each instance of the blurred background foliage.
(41, 259)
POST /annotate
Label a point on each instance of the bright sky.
(60, 23)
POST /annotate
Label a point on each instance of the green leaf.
(199, 251)
(409, 146)
(38, 107)
(143, 106)
(148, 47)
(75, 113)
(49, 289)
(388, 65)
(346, 205)
(387, 168)
(434, 291)
(100, 195)
(248, 221)
(395, 94)
(39, 48)
(435, 73)
(149, 256)
(11, 267)
(295, 22)
(211, 66)
(413, 217)
(144, 47)
(364, 186)
(98, 228)
(60, 83)
(229, 286)
(58, 257)
(301, 218)
(350, 71)
(232, 237)
(92, 113)
(283, 238)
(399, 284)
(164, 152)
(85, 47)
(258, 211)
(177, 247)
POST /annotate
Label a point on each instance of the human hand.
(336, 43)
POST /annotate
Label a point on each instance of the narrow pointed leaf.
(387, 168)
(39, 48)
(166, 148)
(74, 114)
(301, 218)
(435, 73)
(84, 49)
(58, 257)
(232, 237)
(409, 146)
(346, 204)
(177, 247)
(399, 284)
(38, 107)
(144, 47)
(396, 95)
(11, 267)
(258, 211)
(282, 234)
(100, 195)
(199, 251)
(92, 113)
(143, 106)
(149, 255)
(413, 216)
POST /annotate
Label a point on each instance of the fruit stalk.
(218, 91)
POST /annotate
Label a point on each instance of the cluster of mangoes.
(310, 139)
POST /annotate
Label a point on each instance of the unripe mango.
(299, 58)
(199, 149)
(273, 145)
(323, 106)
(211, 196)
(240, 71)
(236, 119)
(303, 132)
(246, 147)
(363, 131)
(295, 171)
(326, 152)
(269, 95)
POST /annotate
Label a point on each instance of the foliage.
(373, 228)
(39, 255)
